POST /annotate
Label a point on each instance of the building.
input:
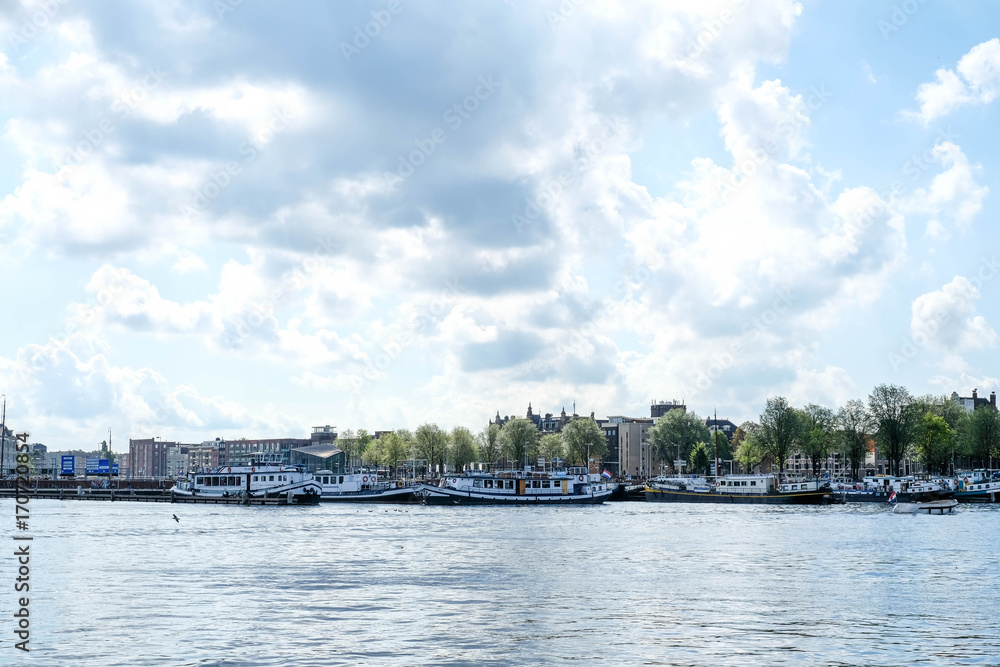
(727, 427)
(659, 408)
(238, 452)
(322, 435)
(147, 457)
(177, 460)
(325, 456)
(203, 456)
(8, 464)
(970, 403)
(547, 423)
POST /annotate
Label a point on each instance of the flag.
(606, 475)
(892, 497)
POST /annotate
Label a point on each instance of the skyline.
(225, 220)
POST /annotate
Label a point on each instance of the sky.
(225, 218)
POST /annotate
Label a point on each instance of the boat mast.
(715, 437)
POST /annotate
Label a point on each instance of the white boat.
(568, 486)
(946, 506)
(740, 489)
(364, 487)
(264, 477)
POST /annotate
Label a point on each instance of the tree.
(933, 438)
(677, 428)
(747, 447)
(584, 440)
(855, 425)
(462, 451)
(364, 440)
(373, 453)
(550, 447)
(519, 440)
(780, 429)
(890, 407)
(394, 449)
(982, 435)
(817, 433)
(489, 445)
(431, 443)
(720, 448)
(348, 443)
(699, 458)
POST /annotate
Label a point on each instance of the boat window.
(535, 484)
(753, 483)
(272, 478)
(341, 479)
(488, 483)
(201, 480)
(545, 483)
(478, 483)
(794, 487)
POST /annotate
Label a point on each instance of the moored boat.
(570, 486)
(364, 487)
(742, 489)
(977, 486)
(264, 477)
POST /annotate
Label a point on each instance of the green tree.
(700, 458)
(364, 440)
(462, 451)
(748, 450)
(347, 441)
(817, 434)
(394, 449)
(891, 409)
(854, 424)
(933, 438)
(551, 447)
(519, 440)
(431, 443)
(489, 445)
(583, 440)
(373, 453)
(677, 428)
(982, 436)
(780, 429)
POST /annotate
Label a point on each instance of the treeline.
(939, 432)
(517, 443)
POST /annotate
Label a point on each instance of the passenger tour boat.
(569, 486)
(264, 477)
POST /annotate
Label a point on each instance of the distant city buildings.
(970, 403)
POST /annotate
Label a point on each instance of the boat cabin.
(745, 484)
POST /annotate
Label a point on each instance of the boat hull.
(433, 495)
(804, 498)
(929, 507)
(405, 496)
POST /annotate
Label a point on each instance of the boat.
(880, 489)
(742, 489)
(945, 506)
(977, 486)
(567, 486)
(264, 477)
(364, 487)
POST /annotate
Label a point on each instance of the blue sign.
(104, 467)
(92, 464)
(68, 465)
(114, 468)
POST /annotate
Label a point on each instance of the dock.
(132, 496)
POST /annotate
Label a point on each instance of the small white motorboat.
(946, 506)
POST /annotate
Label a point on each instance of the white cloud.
(953, 194)
(977, 81)
(946, 319)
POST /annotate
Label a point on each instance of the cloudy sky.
(226, 218)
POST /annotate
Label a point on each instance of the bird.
(176, 519)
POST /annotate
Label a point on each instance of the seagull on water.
(176, 519)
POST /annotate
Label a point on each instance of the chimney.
(973, 397)
(993, 399)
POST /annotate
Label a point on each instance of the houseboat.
(364, 487)
(880, 488)
(977, 486)
(568, 486)
(264, 477)
(742, 489)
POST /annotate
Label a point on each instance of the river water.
(622, 583)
